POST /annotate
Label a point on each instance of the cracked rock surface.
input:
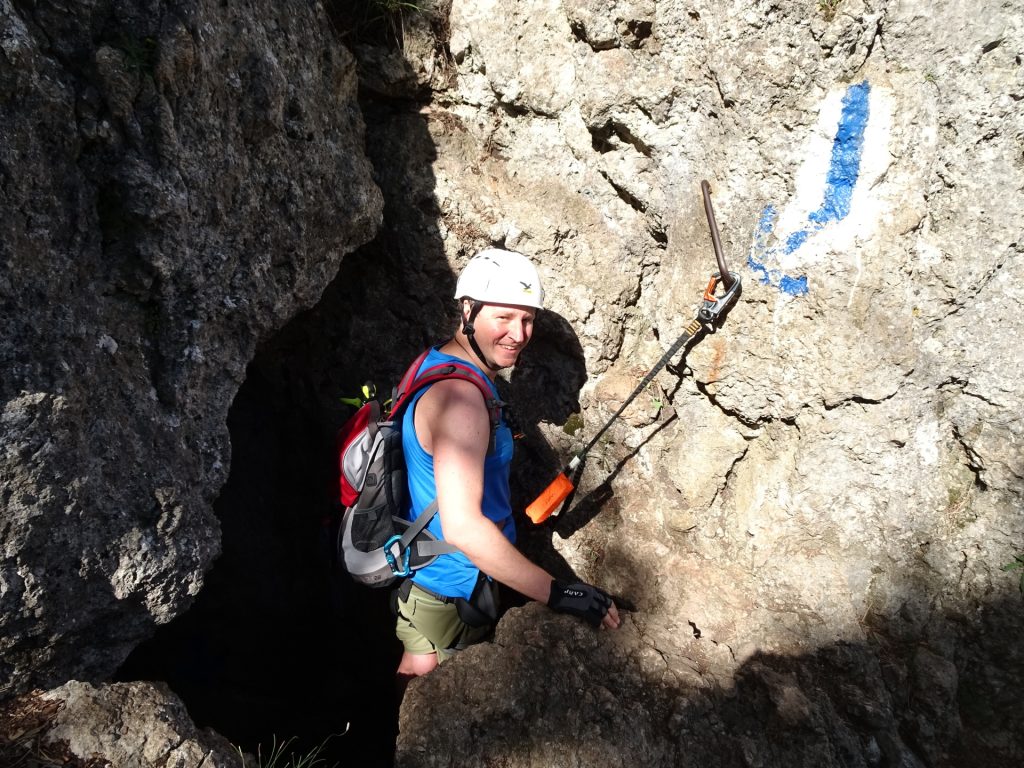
(805, 519)
(809, 520)
(153, 231)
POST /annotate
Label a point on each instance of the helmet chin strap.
(469, 331)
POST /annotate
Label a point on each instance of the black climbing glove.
(583, 600)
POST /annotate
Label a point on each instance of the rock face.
(810, 521)
(806, 521)
(126, 724)
(624, 699)
(177, 180)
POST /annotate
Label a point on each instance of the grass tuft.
(829, 8)
(281, 756)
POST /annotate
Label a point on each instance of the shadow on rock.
(552, 691)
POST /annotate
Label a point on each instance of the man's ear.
(469, 310)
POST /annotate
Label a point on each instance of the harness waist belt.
(404, 590)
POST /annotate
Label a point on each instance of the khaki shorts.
(429, 625)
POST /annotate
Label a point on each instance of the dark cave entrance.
(279, 644)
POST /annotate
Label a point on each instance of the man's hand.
(585, 601)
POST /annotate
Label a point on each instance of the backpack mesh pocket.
(371, 528)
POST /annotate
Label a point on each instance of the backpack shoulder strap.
(412, 383)
(406, 386)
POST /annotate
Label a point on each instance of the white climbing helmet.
(496, 276)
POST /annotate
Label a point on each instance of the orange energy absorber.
(542, 507)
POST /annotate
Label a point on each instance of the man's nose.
(517, 330)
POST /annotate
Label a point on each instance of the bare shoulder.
(454, 409)
(454, 396)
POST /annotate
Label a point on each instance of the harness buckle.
(393, 558)
(714, 307)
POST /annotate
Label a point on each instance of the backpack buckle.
(393, 557)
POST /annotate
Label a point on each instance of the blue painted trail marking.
(840, 180)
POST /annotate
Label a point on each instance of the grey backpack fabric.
(376, 545)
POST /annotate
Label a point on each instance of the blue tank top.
(454, 575)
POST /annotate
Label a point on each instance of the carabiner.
(393, 561)
(715, 306)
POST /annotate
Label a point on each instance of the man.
(452, 456)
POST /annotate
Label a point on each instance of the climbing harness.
(711, 311)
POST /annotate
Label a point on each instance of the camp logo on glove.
(579, 599)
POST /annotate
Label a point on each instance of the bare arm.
(453, 426)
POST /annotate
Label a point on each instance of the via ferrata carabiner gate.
(710, 313)
(714, 307)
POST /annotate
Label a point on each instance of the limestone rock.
(631, 697)
(838, 469)
(806, 519)
(132, 724)
(176, 180)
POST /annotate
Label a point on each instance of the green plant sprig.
(829, 8)
(1016, 565)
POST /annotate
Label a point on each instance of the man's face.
(502, 332)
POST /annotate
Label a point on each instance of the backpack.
(376, 545)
